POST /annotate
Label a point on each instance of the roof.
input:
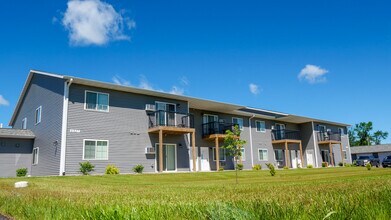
(371, 149)
(16, 133)
(196, 103)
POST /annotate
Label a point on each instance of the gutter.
(67, 85)
(251, 140)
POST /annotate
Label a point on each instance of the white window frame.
(256, 126)
(243, 157)
(345, 154)
(220, 149)
(97, 95)
(215, 116)
(267, 154)
(176, 157)
(36, 115)
(325, 128)
(35, 156)
(96, 142)
(241, 128)
(24, 123)
(169, 103)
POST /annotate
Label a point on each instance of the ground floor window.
(35, 155)
(221, 154)
(262, 155)
(96, 150)
(243, 154)
(345, 155)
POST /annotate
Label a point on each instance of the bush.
(286, 168)
(112, 169)
(325, 164)
(340, 164)
(221, 169)
(271, 169)
(239, 166)
(368, 166)
(21, 172)
(86, 168)
(310, 166)
(138, 168)
(257, 167)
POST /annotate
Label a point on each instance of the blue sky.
(324, 59)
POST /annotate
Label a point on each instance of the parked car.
(386, 161)
(364, 160)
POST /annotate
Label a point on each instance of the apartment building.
(60, 121)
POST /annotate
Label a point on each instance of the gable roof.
(196, 103)
(16, 133)
(371, 149)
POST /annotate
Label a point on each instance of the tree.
(361, 135)
(233, 146)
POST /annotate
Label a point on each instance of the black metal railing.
(216, 128)
(285, 134)
(170, 119)
(328, 136)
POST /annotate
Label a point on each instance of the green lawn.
(347, 193)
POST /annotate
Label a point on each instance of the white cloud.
(313, 74)
(93, 22)
(177, 91)
(254, 89)
(184, 81)
(145, 84)
(120, 81)
(3, 101)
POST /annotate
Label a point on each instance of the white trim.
(36, 115)
(64, 127)
(251, 140)
(97, 97)
(267, 154)
(256, 127)
(37, 156)
(96, 144)
(242, 128)
(214, 152)
(325, 128)
(176, 158)
(316, 146)
(203, 115)
(348, 147)
(175, 112)
(24, 123)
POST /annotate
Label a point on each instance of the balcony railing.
(216, 128)
(329, 136)
(170, 119)
(285, 135)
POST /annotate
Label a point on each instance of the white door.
(293, 159)
(310, 157)
(205, 166)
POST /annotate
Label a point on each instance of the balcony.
(328, 137)
(215, 129)
(280, 135)
(175, 122)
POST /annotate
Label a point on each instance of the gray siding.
(15, 154)
(125, 126)
(47, 92)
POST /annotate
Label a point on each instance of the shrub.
(286, 168)
(221, 168)
(112, 169)
(368, 166)
(257, 167)
(239, 166)
(348, 165)
(21, 172)
(271, 168)
(340, 164)
(138, 168)
(310, 166)
(86, 168)
(325, 164)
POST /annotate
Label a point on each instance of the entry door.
(279, 156)
(169, 157)
(310, 157)
(280, 131)
(166, 114)
(209, 127)
(294, 158)
(205, 166)
(325, 156)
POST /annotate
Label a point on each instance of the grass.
(338, 193)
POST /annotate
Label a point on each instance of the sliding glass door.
(165, 114)
(169, 157)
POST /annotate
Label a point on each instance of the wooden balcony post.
(160, 150)
(301, 154)
(217, 154)
(287, 154)
(342, 155)
(331, 154)
(194, 152)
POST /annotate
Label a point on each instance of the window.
(262, 155)
(341, 131)
(345, 155)
(95, 150)
(243, 154)
(35, 155)
(321, 128)
(24, 123)
(38, 115)
(221, 154)
(238, 121)
(97, 101)
(278, 155)
(260, 125)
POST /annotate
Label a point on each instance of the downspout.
(350, 152)
(67, 84)
(315, 144)
(251, 141)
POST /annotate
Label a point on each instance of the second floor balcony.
(284, 134)
(167, 120)
(216, 128)
(328, 136)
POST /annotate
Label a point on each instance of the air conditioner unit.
(150, 107)
(149, 150)
(272, 127)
